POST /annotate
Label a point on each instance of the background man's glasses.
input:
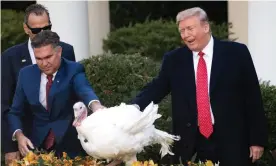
(37, 30)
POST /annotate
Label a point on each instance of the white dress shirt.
(42, 90)
(31, 51)
(208, 56)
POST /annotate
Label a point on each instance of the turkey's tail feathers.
(166, 140)
(147, 118)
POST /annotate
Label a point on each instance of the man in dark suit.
(51, 88)
(13, 59)
(217, 106)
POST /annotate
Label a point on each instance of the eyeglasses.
(37, 30)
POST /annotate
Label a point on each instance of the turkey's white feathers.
(120, 132)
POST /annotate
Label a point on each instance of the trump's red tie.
(49, 142)
(202, 98)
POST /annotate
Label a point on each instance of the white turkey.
(120, 132)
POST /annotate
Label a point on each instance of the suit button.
(188, 124)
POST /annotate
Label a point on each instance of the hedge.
(152, 38)
(118, 78)
(12, 32)
(124, 12)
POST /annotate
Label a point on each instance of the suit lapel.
(36, 78)
(56, 84)
(187, 67)
(217, 64)
(25, 55)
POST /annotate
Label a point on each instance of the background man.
(12, 60)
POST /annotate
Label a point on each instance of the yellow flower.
(209, 163)
(64, 154)
(78, 158)
(30, 157)
(33, 162)
(136, 163)
(14, 163)
(146, 163)
(151, 163)
(67, 162)
(26, 162)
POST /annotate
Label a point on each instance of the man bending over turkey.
(51, 87)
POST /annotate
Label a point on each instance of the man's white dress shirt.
(208, 56)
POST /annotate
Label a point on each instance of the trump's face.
(194, 32)
(48, 58)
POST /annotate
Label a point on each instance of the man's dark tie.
(50, 138)
(203, 103)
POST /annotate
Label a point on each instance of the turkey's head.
(80, 113)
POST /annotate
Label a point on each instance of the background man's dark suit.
(234, 95)
(12, 61)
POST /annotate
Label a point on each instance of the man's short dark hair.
(37, 9)
(45, 38)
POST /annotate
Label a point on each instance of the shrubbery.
(12, 32)
(152, 38)
(269, 99)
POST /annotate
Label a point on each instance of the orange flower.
(209, 163)
(30, 157)
(64, 154)
(77, 158)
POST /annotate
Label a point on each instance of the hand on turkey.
(96, 106)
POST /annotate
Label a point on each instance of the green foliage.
(12, 32)
(269, 99)
(152, 38)
(124, 12)
(117, 78)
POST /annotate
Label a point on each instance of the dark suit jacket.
(70, 86)
(11, 64)
(234, 95)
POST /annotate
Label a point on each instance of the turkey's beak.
(77, 119)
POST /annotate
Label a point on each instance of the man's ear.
(206, 27)
(59, 50)
(26, 29)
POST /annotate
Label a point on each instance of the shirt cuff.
(13, 136)
(90, 103)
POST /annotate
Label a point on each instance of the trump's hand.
(256, 152)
